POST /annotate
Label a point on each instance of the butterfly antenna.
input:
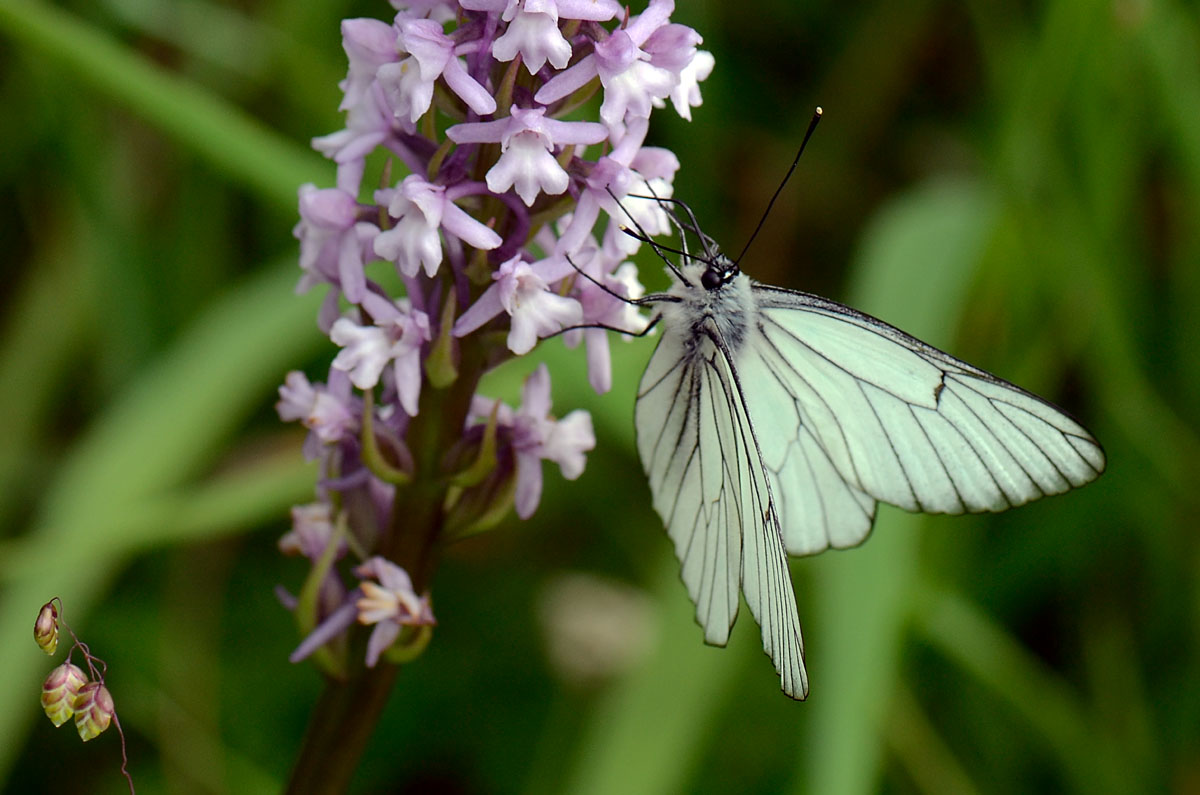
(637, 235)
(694, 227)
(812, 125)
(644, 237)
(600, 284)
(673, 219)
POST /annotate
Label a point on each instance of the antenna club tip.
(819, 111)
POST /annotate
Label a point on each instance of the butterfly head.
(718, 272)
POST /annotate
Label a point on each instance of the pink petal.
(476, 96)
(535, 395)
(483, 310)
(564, 83)
(591, 10)
(457, 222)
(529, 484)
(479, 132)
(382, 637)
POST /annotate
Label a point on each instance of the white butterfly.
(771, 422)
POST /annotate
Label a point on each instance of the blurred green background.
(1018, 183)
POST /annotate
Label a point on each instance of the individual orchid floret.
(422, 208)
(536, 436)
(533, 27)
(328, 411)
(396, 337)
(436, 54)
(334, 244)
(535, 35)
(630, 169)
(389, 602)
(522, 290)
(672, 46)
(631, 82)
(369, 44)
(686, 94)
(409, 91)
(527, 140)
(653, 171)
(369, 123)
(60, 690)
(610, 177)
(312, 530)
(408, 83)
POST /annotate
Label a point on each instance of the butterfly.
(772, 422)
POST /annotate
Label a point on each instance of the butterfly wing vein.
(858, 411)
(710, 486)
(841, 411)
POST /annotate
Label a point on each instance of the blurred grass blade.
(959, 630)
(163, 430)
(1167, 39)
(242, 147)
(176, 419)
(646, 735)
(43, 326)
(915, 269)
(923, 752)
(227, 503)
(229, 38)
(854, 634)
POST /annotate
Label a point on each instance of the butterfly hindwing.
(772, 422)
(818, 507)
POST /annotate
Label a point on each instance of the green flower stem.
(419, 517)
(346, 714)
(341, 726)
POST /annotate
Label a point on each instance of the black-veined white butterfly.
(771, 422)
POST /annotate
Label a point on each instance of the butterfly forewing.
(679, 441)
(709, 484)
(908, 424)
(771, 421)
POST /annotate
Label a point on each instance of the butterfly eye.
(711, 279)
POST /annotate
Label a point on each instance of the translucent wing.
(859, 411)
(698, 448)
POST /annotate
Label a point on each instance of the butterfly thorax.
(714, 296)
